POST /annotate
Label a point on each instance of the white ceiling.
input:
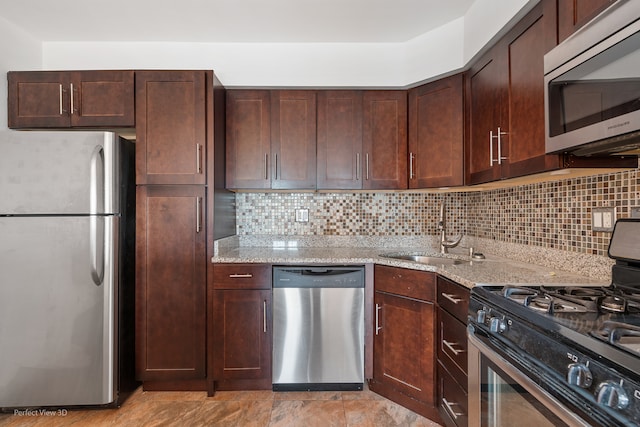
(211, 21)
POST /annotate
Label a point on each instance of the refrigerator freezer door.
(56, 322)
(58, 173)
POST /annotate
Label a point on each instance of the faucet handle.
(452, 243)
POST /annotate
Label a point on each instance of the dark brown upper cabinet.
(362, 139)
(436, 134)
(573, 14)
(271, 139)
(63, 99)
(171, 127)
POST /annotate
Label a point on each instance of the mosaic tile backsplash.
(550, 215)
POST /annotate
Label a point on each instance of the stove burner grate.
(620, 335)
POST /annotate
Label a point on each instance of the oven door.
(502, 395)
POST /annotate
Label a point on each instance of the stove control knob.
(481, 316)
(611, 394)
(497, 325)
(579, 375)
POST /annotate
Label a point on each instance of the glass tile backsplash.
(551, 214)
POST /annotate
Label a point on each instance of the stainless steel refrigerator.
(66, 269)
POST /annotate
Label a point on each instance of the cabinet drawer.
(452, 345)
(402, 281)
(454, 298)
(452, 399)
(242, 276)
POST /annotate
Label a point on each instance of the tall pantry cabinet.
(176, 170)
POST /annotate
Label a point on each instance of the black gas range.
(579, 346)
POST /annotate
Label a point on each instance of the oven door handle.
(539, 394)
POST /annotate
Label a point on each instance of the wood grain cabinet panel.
(436, 134)
(63, 99)
(171, 127)
(404, 351)
(384, 140)
(170, 283)
(339, 139)
(573, 14)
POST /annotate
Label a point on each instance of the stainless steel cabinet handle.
(411, 157)
(241, 276)
(198, 158)
(275, 161)
(264, 316)
(378, 327)
(450, 346)
(71, 97)
(357, 166)
(449, 406)
(366, 158)
(198, 214)
(500, 158)
(266, 166)
(491, 160)
(451, 298)
(60, 98)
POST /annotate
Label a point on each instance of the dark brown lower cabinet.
(171, 286)
(404, 352)
(240, 335)
(453, 302)
(242, 343)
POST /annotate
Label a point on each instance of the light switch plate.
(603, 219)
(302, 215)
(635, 212)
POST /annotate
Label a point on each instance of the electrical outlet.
(603, 219)
(302, 215)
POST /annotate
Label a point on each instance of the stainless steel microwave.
(592, 86)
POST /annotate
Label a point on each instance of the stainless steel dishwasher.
(318, 328)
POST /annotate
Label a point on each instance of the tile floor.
(234, 408)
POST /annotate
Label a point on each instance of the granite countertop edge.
(491, 271)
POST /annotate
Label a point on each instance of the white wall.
(18, 51)
(432, 54)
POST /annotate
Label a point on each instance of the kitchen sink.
(431, 259)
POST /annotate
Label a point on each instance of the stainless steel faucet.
(444, 243)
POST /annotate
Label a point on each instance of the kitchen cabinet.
(171, 145)
(241, 343)
(404, 354)
(505, 105)
(573, 14)
(384, 140)
(339, 139)
(287, 159)
(171, 267)
(436, 134)
(64, 99)
(453, 307)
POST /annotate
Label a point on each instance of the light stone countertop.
(493, 270)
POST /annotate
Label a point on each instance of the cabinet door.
(384, 141)
(38, 99)
(170, 127)
(293, 139)
(170, 283)
(339, 154)
(248, 139)
(436, 131)
(242, 327)
(102, 98)
(524, 144)
(573, 14)
(404, 346)
(485, 86)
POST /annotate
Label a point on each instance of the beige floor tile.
(308, 413)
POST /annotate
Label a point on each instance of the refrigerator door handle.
(96, 222)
